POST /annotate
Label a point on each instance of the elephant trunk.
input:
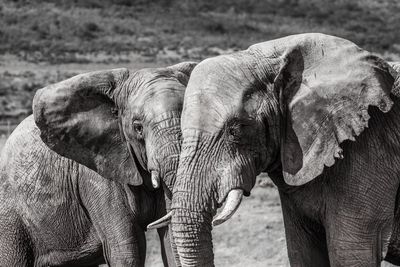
(192, 227)
(202, 185)
(192, 234)
(164, 162)
(193, 207)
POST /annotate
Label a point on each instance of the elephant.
(316, 113)
(80, 178)
(64, 213)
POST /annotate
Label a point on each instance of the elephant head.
(124, 125)
(279, 106)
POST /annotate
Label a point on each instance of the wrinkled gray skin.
(113, 128)
(284, 107)
(393, 253)
(57, 212)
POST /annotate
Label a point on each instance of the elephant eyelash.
(138, 128)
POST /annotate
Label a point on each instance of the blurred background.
(46, 41)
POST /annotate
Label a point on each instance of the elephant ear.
(326, 86)
(184, 67)
(77, 119)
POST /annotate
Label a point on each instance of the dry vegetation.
(58, 31)
(46, 41)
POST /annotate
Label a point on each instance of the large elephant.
(92, 204)
(298, 108)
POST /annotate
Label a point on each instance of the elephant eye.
(233, 133)
(138, 128)
(114, 111)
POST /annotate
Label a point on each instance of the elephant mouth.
(142, 169)
(232, 203)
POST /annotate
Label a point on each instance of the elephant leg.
(15, 243)
(128, 252)
(352, 242)
(305, 239)
(359, 219)
(393, 253)
(115, 220)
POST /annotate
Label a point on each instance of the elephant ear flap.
(326, 88)
(184, 67)
(78, 119)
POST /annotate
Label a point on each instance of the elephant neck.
(277, 178)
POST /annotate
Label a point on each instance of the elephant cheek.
(237, 173)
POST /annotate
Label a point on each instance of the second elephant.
(118, 133)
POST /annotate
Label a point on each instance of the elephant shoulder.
(26, 162)
(24, 142)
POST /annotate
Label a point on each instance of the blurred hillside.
(36, 36)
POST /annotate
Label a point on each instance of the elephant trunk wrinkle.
(204, 179)
(192, 235)
(193, 209)
(167, 132)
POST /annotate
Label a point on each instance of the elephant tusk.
(155, 179)
(164, 221)
(232, 204)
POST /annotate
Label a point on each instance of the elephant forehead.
(165, 102)
(217, 91)
(203, 113)
(156, 98)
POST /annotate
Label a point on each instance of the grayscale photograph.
(179, 133)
